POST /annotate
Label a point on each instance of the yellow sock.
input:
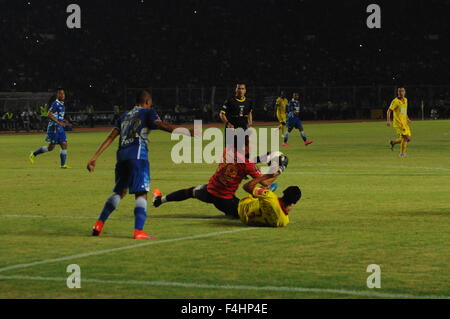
(403, 146)
(281, 128)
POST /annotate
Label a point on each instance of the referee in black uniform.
(237, 111)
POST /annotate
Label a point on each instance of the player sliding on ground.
(294, 120)
(221, 188)
(55, 130)
(264, 208)
(399, 106)
(132, 167)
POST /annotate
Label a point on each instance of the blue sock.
(40, 150)
(303, 135)
(286, 137)
(111, 204)
(140, 213)
(63, 156)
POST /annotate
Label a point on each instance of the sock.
(40, 150)
(398, 140)
(111, 204)
(63, 156)
(403, 146)
(140, 213)
(178, 196)
(282, 129)
(303, 135)
(286, 137)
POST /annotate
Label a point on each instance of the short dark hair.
(142, 95)
(240, 83)
(59, 89)
(291, 195)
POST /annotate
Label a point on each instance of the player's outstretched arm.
(164, 126)
(388, 117)
(111, 137)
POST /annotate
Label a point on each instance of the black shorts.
(229, 206)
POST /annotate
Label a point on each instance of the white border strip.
(111, 250)
(360, 293)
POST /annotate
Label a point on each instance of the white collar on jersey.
(60, 102)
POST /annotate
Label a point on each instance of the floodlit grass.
(361, 205)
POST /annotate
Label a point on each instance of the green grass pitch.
(361, 205)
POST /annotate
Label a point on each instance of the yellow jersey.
(400, 110)
(262, 208)
(281, 104)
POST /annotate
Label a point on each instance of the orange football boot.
(97, 229)
(307, 142)
(140, 234)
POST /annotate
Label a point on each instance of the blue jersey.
(134, 127)
(293, 108)
(57, 109)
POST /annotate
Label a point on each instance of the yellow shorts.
(403, 130)
(281, 117)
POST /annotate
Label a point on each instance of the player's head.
(282, 94)
(295, 95)
(144, 98)
(60, 94)
(291, 196)
(241, 89)
(401, 92)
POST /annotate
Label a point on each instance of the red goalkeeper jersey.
(229, 176)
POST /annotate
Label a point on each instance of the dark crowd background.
(191, 53)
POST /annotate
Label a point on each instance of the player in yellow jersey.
(264, 208)
(399, 106)
(281, 104)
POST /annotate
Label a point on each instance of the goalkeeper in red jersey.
(221, 188)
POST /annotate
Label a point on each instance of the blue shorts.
(294, 122)
(133, 175)
(56, 135)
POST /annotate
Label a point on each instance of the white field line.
(111, 250)
(372, 294)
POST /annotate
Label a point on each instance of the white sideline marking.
(234, 287)
(106, 251)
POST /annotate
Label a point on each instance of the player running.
(132, 168)
(281, 104)
(399, 106)
(294, 120)
(222, 186)
(264, 208)
(55, 130)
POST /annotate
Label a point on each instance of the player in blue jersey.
(294, 120)
(132, 168)
(55, 130)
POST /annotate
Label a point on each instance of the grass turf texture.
(361, 205)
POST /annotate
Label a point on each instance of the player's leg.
(302, 134)
(286, 136)
(63, 155)
(139, 184)
(395, 142)
(140, 216)
(404, 144)
(177, 196)
(228, 206)
(111, 204)
(41, 150)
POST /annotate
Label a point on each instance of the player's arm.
(111, 137)
(164, 126)
(52, 117)
(264, 180)
(388, 117)
(223, 115)
(250, 118)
